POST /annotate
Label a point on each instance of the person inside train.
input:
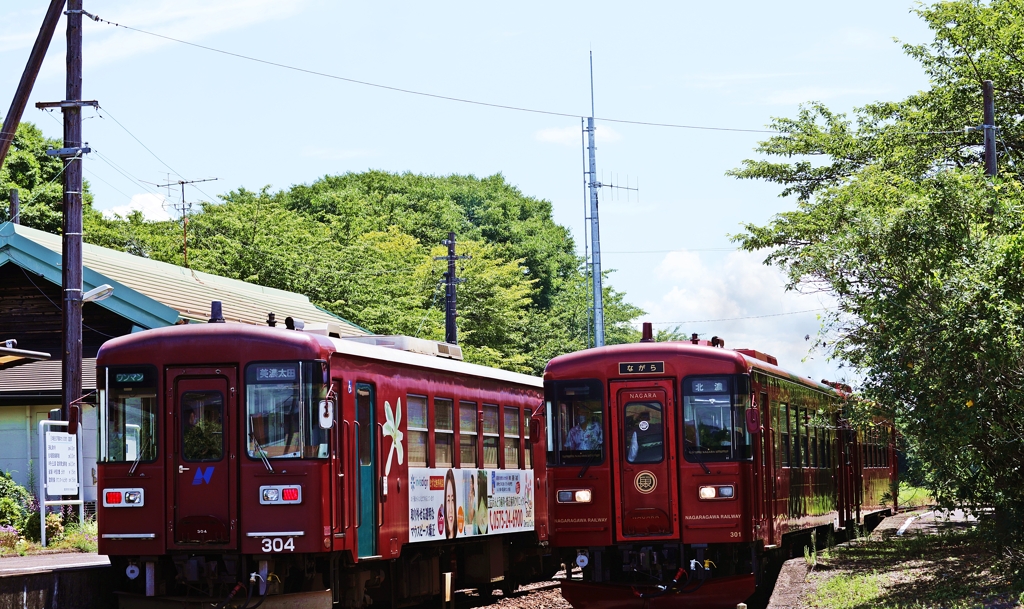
(574, 440)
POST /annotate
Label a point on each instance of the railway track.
(540, 595)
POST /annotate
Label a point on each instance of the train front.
(650, 475)
(213, 470)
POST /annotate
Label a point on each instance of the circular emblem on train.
(645, 482)
(644, 425)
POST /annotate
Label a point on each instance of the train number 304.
(277, 544)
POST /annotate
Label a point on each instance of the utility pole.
(15, 207)
(990, 129)
(71, 375)
(595, 225)
(184, 210)
(451, 330)
(28, 77)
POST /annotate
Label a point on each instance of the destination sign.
(641, 367)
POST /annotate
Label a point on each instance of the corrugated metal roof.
(43, 377)
(190, 292)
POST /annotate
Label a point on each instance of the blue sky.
(711, 64)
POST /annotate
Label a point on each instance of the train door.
(645, 455)
(366, 470)
(203, 423)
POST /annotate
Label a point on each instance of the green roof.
(153, 294)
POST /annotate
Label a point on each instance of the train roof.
(297, 339)
(656, 351)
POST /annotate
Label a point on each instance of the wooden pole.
(28, 78)
(71, 374)
(15, 207)
(990, 129)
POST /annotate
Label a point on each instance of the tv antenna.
(593, 253)
(185, 208)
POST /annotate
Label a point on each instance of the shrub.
(11, 489)
(54, 527)
(8, 538)
(11, 513)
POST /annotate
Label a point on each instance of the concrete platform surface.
(39, 563)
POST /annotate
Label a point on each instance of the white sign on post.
(61, 463)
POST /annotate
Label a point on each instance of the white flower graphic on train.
(391, 429)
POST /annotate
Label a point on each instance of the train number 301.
(278, 545)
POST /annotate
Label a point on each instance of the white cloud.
(571, 136)
(739, 299)
(151, 206)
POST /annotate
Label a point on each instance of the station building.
(147, 294)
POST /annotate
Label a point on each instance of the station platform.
(56, 581)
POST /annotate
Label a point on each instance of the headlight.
(719, 491)
(575, 496)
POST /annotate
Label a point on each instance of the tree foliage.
(923, 252)
(365, 247)
(37, 177)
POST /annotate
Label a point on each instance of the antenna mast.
(595, 225)
(184, 210)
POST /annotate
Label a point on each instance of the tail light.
(280, 494)
(123, 497)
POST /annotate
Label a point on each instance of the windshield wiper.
(696, 453)
(138, 458)
(589, 462)
(263, 453)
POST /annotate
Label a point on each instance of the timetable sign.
(61, 463)
(641, 367)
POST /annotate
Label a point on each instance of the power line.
(456, 99)
(420, 93)
(689, 249)
(701, 321)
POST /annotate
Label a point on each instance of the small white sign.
(61, 463)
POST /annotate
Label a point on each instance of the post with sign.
(60, 455)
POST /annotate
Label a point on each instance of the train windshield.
(714, 418)
(575, 422)
(281, 418)
(128, 419)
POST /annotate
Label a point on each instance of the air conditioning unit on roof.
(411, 344)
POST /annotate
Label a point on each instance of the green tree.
(37, 177)
(921, 251)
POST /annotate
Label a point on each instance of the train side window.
(527, 444)
(644, 432)
(467, 434)
(812, 435)
(511, 439)
(416, 406)
(794, 436)
(490, 432)
(805, 452)
(364, 411)
(784, 428)
(444, 433)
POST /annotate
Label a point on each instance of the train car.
(268, 465)
(677, 470)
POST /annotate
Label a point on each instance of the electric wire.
(149, 150)
(462, 100)
(41, 292)
(701, 321)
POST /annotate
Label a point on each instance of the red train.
(267, 465)
(677, 470)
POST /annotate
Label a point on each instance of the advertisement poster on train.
(450, 503)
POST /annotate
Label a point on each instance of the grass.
(914, 496)
(954, 569)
